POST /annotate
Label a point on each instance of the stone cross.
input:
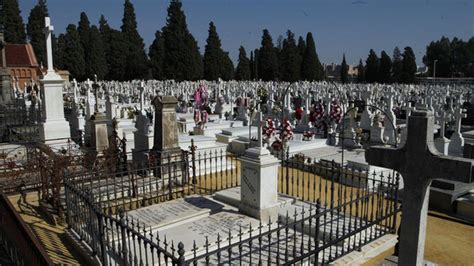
(49, 48)
(458, 115)
(408, 108)
(419, 163)
(142, 95)
(259, 127)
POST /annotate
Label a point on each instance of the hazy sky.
(338, 26)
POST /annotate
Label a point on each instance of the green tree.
(441, 52)
(215, 62)
(59, 51)
(361, 72)
(182, 58)
(301, 51)
(137, 65)
(290, 60)
(396, 65)
(228, 69)
(385, 68)
(73, 58)
(115, 50)
(84, 30)
(157, 55)
(97, 57)
(372, 67)
(408, 66)
(256, 54)
(252, 66)
(35, 30)
(470, 54)
(13, 23)
(344, 70)
(267, 61)
(311, 68)
(243, 71)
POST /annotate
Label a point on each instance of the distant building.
(333, 71)
(21, 64)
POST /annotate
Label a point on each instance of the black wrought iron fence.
(343, 209)
(20, 123)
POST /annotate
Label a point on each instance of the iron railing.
(343, 210)
(22, 247)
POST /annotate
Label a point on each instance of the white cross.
(458, 115)
(49, 47)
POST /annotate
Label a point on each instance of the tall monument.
(54, 129)
(6, 92)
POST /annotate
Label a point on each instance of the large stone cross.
(419, 163)
(49, 47)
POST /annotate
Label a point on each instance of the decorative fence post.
(193, 159)
(124, 241)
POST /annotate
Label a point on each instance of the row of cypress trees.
(86, 50)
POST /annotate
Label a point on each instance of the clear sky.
(338, 26)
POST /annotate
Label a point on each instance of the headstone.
(419, 163)
(259, 195)
(55, 128)
(6, 91)
(457, 140)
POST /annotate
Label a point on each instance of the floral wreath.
(336, 112)
(316, 116)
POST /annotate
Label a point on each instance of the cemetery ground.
(443, 248)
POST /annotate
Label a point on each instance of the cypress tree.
(385, 68)
(73, 58)
(267, 62)
(301, 46)
(301, 51)
(157, 55)
(344, 70)
(396, 65)
(290, 61)
(408, 66)
(182, 58)
(360, 72)
(256, 54)
(252, 66)
(228, 68)
(214, 57)
(136, 66)
(13, 23)
(243, 71)
(84, 30)
(97, 57)
(35, 30)
(311, 68)
(115, 50)
(59, 51)
(372, 67)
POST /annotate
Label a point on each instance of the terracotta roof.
(20, 55)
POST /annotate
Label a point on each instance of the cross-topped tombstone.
(457, 140)
(419, 163)
(259, 186)
(49, 47)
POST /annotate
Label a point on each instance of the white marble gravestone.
(55, 129)
(259, 195)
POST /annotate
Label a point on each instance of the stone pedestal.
(442, 145)
(100, 133)
(366, 120)
(6, 96)
(376, 134)
(259, 195)
(456, 145)
(350, 139)
(55, 127)
(165, 144)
